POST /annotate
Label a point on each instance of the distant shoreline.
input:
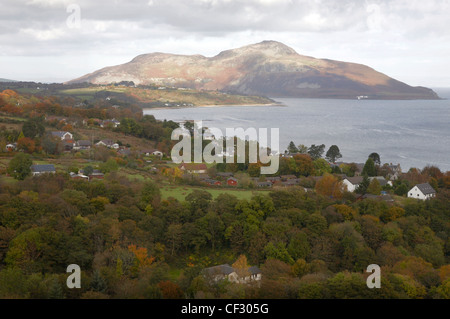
(211, 106)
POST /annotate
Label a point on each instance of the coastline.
(211, 106)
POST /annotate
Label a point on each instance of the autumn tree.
(300, 268)
(241, 266)
(321, 167)
(349, 169)
(20, 166)
(26, 144)
(330, 186)
(170, 290)
(141, 258)
(393, 213)
(374, 187)
(67, 128)
(346, 211)
(301, 165)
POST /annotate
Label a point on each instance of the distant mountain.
(6, 80)
(268, 68)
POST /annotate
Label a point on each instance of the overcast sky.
(58, 40)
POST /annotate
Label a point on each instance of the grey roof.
(43, 168)
(95, 172)
(254, 270)
(59, 133)
(387, 197)
(380, 179)
(224, 269)
(356, 180)
(107, 142)
(84, 143)
(394, 167)
(426, 189)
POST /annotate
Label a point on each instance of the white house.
(113, 123)
(153, 152)
(422, 191)
(82, 145)
(11, 147)
(222, 272)
(193, 168)
(352, 183)
(62, 135)
(108, 144)
(42, 169)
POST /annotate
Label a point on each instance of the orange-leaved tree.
(141, 258)
(330, 186)
(241, 266)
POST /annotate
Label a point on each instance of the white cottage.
(352, 183)
(108, 144)
(222, 272)
(63, 135)
(422, 191)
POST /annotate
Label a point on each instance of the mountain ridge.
(268, 68)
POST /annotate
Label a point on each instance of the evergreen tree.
(369, 168)
(98, 283)
(316, 151)
(55, 290)
(302, 149)
(376, 158)
(33, 128)
(362, 188)
(333, 153)
(292, 148)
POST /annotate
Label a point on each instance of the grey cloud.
(342, 29)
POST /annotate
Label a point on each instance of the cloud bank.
(57, 40)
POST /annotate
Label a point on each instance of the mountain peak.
(269, 47)
(268, 68)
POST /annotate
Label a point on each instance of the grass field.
(180, 192)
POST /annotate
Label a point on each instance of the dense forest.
(131, 244)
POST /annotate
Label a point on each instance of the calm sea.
(412, 133)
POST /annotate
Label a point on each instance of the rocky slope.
(268, 68)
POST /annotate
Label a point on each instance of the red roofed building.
(232, 181)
